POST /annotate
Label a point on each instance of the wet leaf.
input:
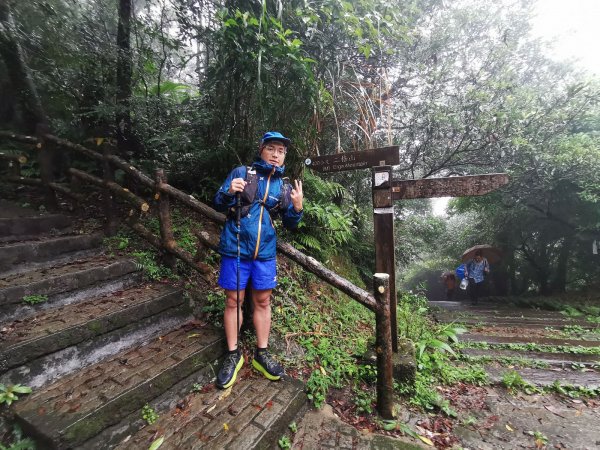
(425, 439)
(389, 425)
(226, 393)
(157, 443)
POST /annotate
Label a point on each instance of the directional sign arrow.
(448, 187)
(385, 156)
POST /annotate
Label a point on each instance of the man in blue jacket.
(264, 194)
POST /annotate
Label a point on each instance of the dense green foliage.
(461, 87)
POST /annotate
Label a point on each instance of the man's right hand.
(237, 185)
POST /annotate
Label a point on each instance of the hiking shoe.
(232, 364)
(265, 364)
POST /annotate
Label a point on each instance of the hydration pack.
(250, 193)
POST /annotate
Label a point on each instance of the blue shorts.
(262, 274)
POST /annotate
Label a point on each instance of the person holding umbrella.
(475, 271)
(253, 197)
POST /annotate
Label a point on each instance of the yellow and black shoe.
(232, 364)
(265, 364)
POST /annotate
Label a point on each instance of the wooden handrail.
(379, 303)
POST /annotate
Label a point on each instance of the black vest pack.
(249, 194)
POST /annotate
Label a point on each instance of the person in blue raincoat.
(265, 194)
(476, 271)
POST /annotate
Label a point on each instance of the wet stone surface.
(80, 405)
(507, 419)
(252, 411)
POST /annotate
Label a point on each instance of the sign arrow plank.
(448, 187)
(385, 156)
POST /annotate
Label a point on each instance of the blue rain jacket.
(257, 232)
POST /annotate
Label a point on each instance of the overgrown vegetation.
(18, 441)
(8, 394)
(149, 415)
(34, 299)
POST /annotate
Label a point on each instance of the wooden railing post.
(164, 216)
(108, 175)
(45, 158)
(383, 346)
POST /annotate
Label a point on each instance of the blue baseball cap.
(274, 136)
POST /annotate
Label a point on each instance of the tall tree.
(18, 71)
(123, 80)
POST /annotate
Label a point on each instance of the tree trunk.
(11, 52)
(559, 283)
(124, 74)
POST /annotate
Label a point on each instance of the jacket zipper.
(262, 210)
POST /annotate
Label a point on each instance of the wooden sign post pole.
(383, 226)
(386, 190)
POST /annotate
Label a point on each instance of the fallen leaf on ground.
(425, 439)
(226, 427)
(225, 393)
(157, 443)
(508, 427)
(210, 409)
(554, 410)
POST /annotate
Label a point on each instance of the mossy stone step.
(554, 359)
(525, 339)
(13, 228)
(254, 413)
(64, 278)
(58, 328)
(548, 377)
(44, 250)
(79, 406)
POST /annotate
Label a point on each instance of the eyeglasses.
(274, 150)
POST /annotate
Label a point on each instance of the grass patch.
(35, 299)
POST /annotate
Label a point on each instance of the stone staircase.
(97, 343)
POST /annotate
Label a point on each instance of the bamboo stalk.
(114, 187)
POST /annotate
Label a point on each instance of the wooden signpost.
(385, 190)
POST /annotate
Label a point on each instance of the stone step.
(18, 228)
(553, 359)
(253, 414)
(521, 323)
(59, 282)
(525, 339)
(547, 377)
(79, 406)
(22, 256)
(52, 330)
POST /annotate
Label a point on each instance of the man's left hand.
(297, 195)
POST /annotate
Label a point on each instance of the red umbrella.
(489, 252)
